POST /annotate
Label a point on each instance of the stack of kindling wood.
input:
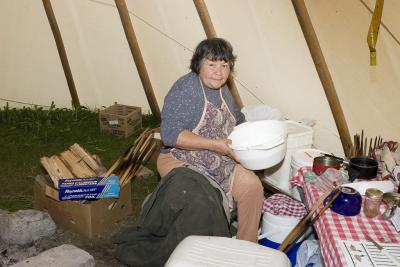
(76, 162)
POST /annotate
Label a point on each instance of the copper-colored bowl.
(322, 163)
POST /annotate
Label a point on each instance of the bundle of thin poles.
(129, 164)
(360, 147)
(310, 218)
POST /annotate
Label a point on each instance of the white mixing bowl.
(259, 144)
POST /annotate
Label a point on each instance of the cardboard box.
(121, 120)
(87, 218)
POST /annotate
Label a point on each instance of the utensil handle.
(335, 157)
(394, 259)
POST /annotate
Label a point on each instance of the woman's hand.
(190, 141)
(221, 146)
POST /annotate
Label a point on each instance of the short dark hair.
(212, 49)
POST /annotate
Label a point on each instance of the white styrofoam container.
(213, 251)
(299, 137)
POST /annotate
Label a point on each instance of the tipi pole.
(61, 52)
(323, 72)
(137, 57)
(210, 32)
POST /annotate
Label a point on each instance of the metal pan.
(359, 167)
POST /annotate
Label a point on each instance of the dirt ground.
(100, 247)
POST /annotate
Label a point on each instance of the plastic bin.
(277, 228)
(299, 137)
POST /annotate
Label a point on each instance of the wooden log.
(52, 193)
(137, 57)
(48, 165)
(76, 166)
(323, 73)
(210, 32)
(82, 154)
(61, 52)
(62, 170)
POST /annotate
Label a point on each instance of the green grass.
(30, 133)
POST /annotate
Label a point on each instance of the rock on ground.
(25, 226)
(62, 256)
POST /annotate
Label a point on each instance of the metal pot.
(322, 163)
(364, 167)
(359, 167)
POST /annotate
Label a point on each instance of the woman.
(198, 115)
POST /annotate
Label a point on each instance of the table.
(332, 227)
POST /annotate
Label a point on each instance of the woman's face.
(214, 74)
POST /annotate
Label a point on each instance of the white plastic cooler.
(213, 251)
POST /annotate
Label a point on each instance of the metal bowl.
(322, 163)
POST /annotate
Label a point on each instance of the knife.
(384, 251)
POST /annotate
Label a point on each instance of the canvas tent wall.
(274, 64)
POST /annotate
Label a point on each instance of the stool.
(199, 251)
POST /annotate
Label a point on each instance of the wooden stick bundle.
(73, 163)
(82, 154)
(309, 218)
(78, 163)
(361, 147)
(137, 156)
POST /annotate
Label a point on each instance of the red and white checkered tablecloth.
(332, 227)
(282, 205)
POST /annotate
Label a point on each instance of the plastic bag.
(309, 254)
(261, 112)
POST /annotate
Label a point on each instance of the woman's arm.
(190, 141)
(183, 106)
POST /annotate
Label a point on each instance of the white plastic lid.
(196, 251)
(299, 135)
(305, 157)
(294, 128)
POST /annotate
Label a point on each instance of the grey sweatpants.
(247, 191)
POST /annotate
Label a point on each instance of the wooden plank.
(60, 167)
(82, 154)
(52, 193)
(48, 164)
(76, 166)
(144, 157)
